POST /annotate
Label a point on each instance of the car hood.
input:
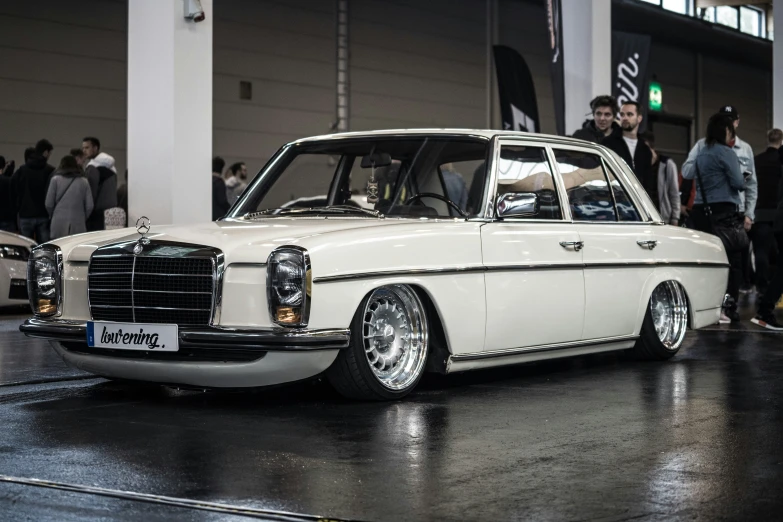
(7, 238)
(241, 241)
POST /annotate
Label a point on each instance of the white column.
(777, 67)
(169, 113)
(587, 56)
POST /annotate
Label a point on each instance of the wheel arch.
(652, 283)
(438, 345)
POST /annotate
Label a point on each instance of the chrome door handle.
(648, 244)
(578, 245)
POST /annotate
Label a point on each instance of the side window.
(585, 182)
(625, 207)
(526, 170)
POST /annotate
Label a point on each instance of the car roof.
(475, 133)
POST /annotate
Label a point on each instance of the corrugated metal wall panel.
(63, 75)
(523, 27)
(287, 51)
(416, 64)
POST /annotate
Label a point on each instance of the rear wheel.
(665, 323)
(388, 350)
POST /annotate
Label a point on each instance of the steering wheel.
(436, 196)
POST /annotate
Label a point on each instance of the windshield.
(416, 177)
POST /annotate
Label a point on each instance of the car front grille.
(18, 289)
(152, 289)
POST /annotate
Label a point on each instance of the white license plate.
(124, 336)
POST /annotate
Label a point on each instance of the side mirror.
(518, 204)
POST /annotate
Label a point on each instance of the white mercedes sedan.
(14, 253)
(374, 257)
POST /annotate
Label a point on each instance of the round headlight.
(43, 281)
(288, 286)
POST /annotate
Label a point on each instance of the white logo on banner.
(627, 74)
(521, 121)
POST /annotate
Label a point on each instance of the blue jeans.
(35, 228)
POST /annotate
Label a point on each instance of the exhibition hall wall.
(412, 64)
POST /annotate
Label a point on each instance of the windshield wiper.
(351, 208)
(251, 215)
(314, 210)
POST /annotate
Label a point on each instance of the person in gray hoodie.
(68, 200)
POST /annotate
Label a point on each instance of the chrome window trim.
(490, 184)
(561, 190)
(611, 190)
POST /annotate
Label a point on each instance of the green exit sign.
(656, 96)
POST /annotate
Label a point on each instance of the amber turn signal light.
(45, 306)
(288, 314)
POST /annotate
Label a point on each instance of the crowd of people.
(43, 203)
(722, 188)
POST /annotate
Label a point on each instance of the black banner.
(518, 105)
(630, 55)
(555, 21)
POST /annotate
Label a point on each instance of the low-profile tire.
(389, 346)
(665, 323)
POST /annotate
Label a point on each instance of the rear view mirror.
(377, 159)
(518, 204)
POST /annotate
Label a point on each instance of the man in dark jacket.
(30, 184)
(768, 173)
(765, 317)
(604, 109)
(7, 198)
(219, 199)
(626, 143)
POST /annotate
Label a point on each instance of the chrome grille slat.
(152, 288)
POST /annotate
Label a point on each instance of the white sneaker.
(724, 319)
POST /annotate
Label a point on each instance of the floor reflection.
(593, 437)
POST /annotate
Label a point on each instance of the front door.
(534, 282)
(617, 255)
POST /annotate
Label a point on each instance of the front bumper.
(207, 337)
(208, 356)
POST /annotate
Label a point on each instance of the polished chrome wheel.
(669, 311)
(394, 336)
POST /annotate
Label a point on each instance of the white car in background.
(14, 253)
(555, 251)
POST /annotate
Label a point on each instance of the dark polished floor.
(593, 438)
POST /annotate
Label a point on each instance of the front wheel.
(665, 323)
(388, 350)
